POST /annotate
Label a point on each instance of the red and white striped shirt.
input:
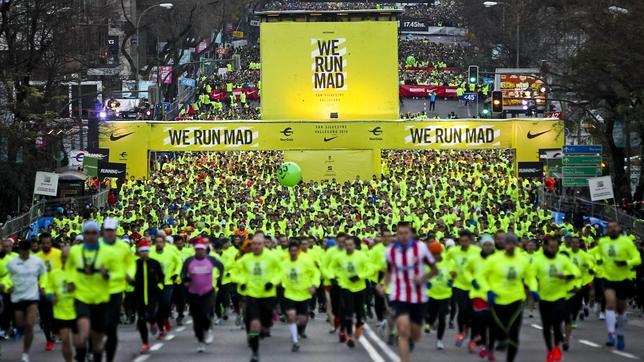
(404, 265)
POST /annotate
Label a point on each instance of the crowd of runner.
(441, 236)
(440, 13)
(323, 5)
(425, 53)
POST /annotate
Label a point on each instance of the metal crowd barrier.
(21, 223)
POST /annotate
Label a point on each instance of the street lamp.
(166, 6)
(489, 4)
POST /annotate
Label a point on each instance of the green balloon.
(289, 174)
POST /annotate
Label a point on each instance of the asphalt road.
(230, 345)
(443, 108)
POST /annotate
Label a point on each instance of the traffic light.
(497, 101)
(473, 74)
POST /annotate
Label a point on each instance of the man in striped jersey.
(407, 285)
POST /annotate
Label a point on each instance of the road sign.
(575, 182)
(553, 166)
(582, 160)
(589, 171)
(582, 149)
(601, 188)
(471, 97)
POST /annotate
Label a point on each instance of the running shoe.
(427, 328)
(254, 358)
(358, 332)
(620, 343)
(439, 345)
(209, 337)
(549, 357)
(459, 340)
(471, 347)
(610, 341)
(154, 329)
(350, 342)
(601, 316)
(556, 354)
(483, 352)
(201, 347)
(49, 346)
(145, 349)
(342, 337)
(391, 338)
(295, 347)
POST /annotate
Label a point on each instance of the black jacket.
(154, 279)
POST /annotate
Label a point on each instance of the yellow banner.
(216, 136)
(130, 142)
(329, 70)
(530, 136)
(339, 165)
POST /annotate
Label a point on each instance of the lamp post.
(489, 4)
(167, 6)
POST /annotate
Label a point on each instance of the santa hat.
(144, 245)
(200, 243)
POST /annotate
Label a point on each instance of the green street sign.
(553, 167)
(589, 171)
(582, 160)
(575, 182)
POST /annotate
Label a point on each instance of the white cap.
(90, 225)
(449, 243)
(110, 224)
(79, 237)
(169, 239)
(486, 238)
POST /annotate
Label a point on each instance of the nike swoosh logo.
(531, 136)
(116, 138)
(329, 139)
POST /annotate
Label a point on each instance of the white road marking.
(625, 354)
(141, 358)
(181, 329)
(189, 322)
(636, 323)
(169, 337)
(156, 346)
(536, 326)
(383, 346)
(589, 343)
(373, 354)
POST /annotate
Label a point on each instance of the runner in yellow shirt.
(90, 266)
(257, 273)
(554, 273)
(63, 306)
(300, 278)
(617, 256)
(439, 290)
(52, 258)
(459, 256)
(481, 323)
(504, 277)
